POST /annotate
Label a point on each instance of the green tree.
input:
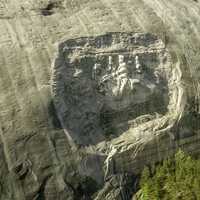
(175, 178)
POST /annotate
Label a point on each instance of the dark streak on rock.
(49, 9)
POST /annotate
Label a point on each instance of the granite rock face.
(101, 84)
(92, 91)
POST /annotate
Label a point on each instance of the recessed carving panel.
(102, 83)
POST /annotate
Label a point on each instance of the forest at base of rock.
(175, 178)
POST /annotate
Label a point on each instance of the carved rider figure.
(122, 76)
(138, 65)
(116, 80)
(96, 71)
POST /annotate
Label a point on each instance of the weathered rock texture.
(91, 91)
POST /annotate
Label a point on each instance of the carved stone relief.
(102, 84)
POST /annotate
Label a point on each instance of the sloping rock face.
(92, 91)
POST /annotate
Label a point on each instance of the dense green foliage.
(176, 178)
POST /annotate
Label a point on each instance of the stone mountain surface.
(91, 91)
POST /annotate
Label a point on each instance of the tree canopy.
(176, 178)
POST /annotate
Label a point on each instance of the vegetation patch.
(176, 178)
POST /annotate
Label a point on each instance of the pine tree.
(175, 178)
